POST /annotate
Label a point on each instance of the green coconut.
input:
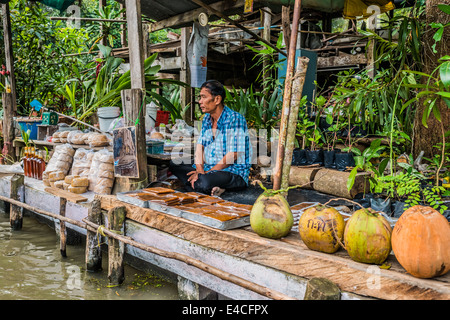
(271, 215)
(367, 237)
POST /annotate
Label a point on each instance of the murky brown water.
(31, 267)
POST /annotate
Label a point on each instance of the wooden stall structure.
(209, 262)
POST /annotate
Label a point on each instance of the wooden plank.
(343, 59)
(292, 256)
(72, 197)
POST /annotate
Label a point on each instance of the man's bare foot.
(216, 191)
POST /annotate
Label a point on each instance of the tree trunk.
(426, 138)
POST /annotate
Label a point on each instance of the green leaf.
(444, 71)
(351, 178)
(444, 8)
(444, 94)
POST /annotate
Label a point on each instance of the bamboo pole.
(296, 97)
(287, 96)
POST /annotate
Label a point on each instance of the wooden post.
(286, 24)
(185, 77)
(116, 248)
(133, 110)
(8, 128)
(267, 23)
(101, 5)
(135, 43)
(123, 28)
(62, 227)
(15, 214)
(9, 57)
(189, 290)
(93, 249)
(322, 289)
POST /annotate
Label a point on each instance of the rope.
(100, 231)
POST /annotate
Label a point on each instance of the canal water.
(32, 268)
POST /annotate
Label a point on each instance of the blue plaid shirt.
(231, 136)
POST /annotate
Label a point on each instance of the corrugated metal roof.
(162, 9)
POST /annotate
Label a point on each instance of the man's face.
(208, 103)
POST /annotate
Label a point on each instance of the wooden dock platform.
(284, 265)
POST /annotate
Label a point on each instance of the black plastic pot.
(344, 160)
(380, 204)
(299, 157)
(398, 208)
(329, 158)
(314, 157)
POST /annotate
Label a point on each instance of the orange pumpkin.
(421, 242)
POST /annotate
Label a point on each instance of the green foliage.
(106, 30)
(267, 59)
(261, 111)
(39, 45)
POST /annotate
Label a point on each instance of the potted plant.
(332, 136)
(304, 131)
(315, 154)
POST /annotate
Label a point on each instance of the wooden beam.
(134, 23)
(187, 18)
(88, 19)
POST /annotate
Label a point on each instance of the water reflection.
(31, 267)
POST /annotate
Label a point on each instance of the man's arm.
(227, 160)
(198, 158)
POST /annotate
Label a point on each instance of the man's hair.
(215, 87)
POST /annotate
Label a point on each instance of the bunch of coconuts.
(366, 236)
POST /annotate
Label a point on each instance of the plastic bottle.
(33, 163)
(25, 161)
(42, 164)
(29, 162)
(40, 159)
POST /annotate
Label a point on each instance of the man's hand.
(193, 176)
